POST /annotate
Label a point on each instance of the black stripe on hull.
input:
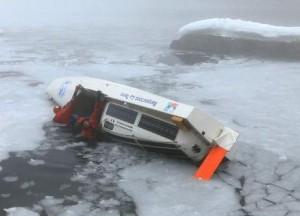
(164, 148)
(123, 139)
(157, 144)
(171, 152)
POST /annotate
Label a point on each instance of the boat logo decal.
(170, 107)
(63, 88)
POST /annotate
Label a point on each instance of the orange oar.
(211, 163)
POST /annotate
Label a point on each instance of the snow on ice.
(238, 38)
(241, 29)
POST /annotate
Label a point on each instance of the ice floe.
(10, 178)
(34, 162)
(5, 195)
(28, 184)
(159, 188)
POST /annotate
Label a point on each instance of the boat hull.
(149, 121)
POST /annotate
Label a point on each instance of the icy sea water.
(50, 170)
(63, 172)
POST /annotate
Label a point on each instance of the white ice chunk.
(51, 201)
(283, 157)
(34, 162)
(53, 207)
(90, 196)
(37, 208)
(19, 211)
(71, 145)
(82, 208)
(5, 195)
(109, 203)
(28, 184)
(1, 168)
(78, 177)
(64, 186)
(241, 29)
(10, 178)
(73, 198)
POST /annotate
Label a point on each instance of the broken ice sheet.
(158, 189)
(276, 194)
(290, 180)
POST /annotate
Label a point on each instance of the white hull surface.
(151, 121)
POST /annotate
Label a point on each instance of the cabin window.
(159, 127)
(121, 113)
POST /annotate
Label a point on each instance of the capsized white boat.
(143, 119)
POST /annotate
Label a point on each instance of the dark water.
(30, 184)
(42, 179)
